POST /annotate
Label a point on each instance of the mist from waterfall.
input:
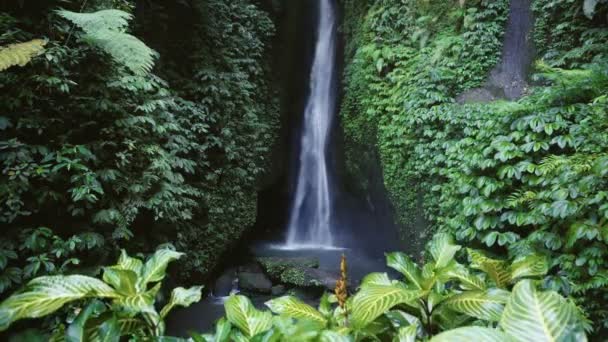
(311, 211)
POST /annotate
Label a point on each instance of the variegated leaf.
(443, 249)
(294, 307)
(535, 316)
(45, 295)
(487, 305)
(242, 314)
(470, 334)
(498, 270)
(155, 269)
(374, 300)
(402, 263)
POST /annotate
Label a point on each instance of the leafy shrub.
(121, 304)
(443, 295)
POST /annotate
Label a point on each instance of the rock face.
(255, 282)
(225, 283)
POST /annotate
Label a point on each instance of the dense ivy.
(513, 176)
(90, 147)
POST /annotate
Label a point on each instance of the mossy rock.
(275, 266)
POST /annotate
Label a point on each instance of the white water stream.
(311, 211)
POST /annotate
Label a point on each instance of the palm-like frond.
(20, 54)
(106, 30)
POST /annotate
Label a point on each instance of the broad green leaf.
(470, 334)
(406, 334)
(294, 307)
(374, 300)
(155, 269)
(333, 336)
(222, 330)
(126, 262)
(376, 279)
(139, 302)
(241, 313)
(402, 263)
(534, 316)
(529, 266)
(487, 305)
(443, 249)
(182, 297)
(109, 331)
(45, 295)
(498, 270)
(124, 281)
(401, 319)
(458, 272)
(76, 331)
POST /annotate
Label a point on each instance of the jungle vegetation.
(134, 129)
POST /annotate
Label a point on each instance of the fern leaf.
(106, 30)
(113, 20)
(20, 54)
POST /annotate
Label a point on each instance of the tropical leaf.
(333, 336)
(498, 270)
(374, 300)
(76, 331)
(531, 315)
(487, 305)
(125, 262)
(458, 272)
(141, 302)
(294, 307)
(402, 263)
(529, 266)
(376, 279)
(109, 331)
(443, 249)
(155, 268)
(242, 314)
(406, 334)
(45, 295)
(182, 297)
(124, 281)
(468, 334)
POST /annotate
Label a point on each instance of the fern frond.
(113, 20)
(20, 54)
(106, 30)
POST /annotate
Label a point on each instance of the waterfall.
(311, 210)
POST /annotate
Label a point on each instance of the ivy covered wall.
(514, 176)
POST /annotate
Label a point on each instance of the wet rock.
(278, 290)
(251, 267)
(255, 282)
(224, 284)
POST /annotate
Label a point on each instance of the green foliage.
(106, 29)
(517, 177)
(97, 142)
(434, 302)
(131, 287)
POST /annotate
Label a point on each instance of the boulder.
(275, 266)
(224, 284)
(255, 282)
(278, 290)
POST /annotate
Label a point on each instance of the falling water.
(311, 212)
